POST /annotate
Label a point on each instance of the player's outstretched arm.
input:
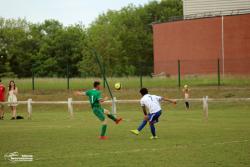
(169, 100)
(79, 93)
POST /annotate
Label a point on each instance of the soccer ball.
(118, 86)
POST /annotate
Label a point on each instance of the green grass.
(131, 82)
(186, 139)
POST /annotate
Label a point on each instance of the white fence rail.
(70, 103)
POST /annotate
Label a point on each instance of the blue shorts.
(154, 117)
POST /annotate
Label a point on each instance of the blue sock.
(152, 127)
(144, 122)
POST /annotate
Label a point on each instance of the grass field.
(186, 139)
(130, 82)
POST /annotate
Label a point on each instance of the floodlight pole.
(102, 71)
(218, 66)
(104, 74)
(141, 85)
(33, 78)
(68, 75)
(222, 46)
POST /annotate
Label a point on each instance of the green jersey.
(94, 97)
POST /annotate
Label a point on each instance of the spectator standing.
(12, 98)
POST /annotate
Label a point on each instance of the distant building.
(209, 7)
(211, 30)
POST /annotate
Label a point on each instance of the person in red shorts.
(2, 98)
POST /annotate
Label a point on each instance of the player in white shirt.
(152, 104)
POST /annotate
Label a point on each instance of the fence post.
(218, 70)
(68, 76)
(205, 107)
(179, 73)
(70, 107)
(29, 105)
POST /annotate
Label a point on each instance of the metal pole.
(222, 46)
(141, 80)
(218, 72)
(141, 84)
(104, 74)
(33, 79)
(68, 76)
(101, 68)
(179, 73)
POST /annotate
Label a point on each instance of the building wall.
(237, 44)
(191, 7)
(198, 44)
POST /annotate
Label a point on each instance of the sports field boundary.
(70, 102)
(129, 101)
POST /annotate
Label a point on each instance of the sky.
(66, 11)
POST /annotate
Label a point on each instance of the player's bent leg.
(154, 118)
(112, 117)
(108, 113)
(152, 128)
(143, 124)
(99, 113)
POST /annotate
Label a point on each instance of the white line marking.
(230, 142)
(161, 149)
(178, 146)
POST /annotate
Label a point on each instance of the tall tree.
(123, 38)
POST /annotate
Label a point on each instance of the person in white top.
(186, 93)
(152, 104)
(12, 99)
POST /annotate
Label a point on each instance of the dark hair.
(144, 91)
(10, 85)
(96, 83)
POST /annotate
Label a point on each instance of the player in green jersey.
(95, 99)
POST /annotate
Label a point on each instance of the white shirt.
(152, 102)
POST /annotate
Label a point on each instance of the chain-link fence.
(173, 73)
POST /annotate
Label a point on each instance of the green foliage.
(123, 38)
